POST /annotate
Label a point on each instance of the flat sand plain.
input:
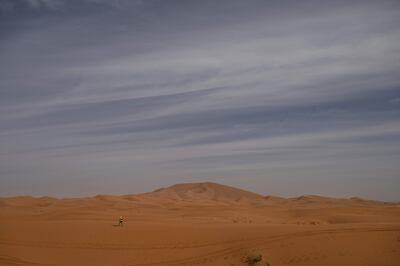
(198, 224)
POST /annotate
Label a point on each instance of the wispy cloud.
(149, 90)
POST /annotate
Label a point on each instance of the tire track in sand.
(14, 261)
(234, 246)
(260, 242)
(111, 246)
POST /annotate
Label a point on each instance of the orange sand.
(198, 224)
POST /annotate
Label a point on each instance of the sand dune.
(202, 193)
(198, 224)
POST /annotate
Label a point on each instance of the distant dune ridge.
(209, 195)
(207, 192)
(195, 193)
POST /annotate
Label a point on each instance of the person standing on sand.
(121, 221)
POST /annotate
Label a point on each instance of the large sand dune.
(198, 224)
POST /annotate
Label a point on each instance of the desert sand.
(198, 224)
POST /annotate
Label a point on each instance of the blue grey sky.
(278, 97)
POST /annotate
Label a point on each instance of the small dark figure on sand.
(121, 221)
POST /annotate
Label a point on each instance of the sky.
(123, 96)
